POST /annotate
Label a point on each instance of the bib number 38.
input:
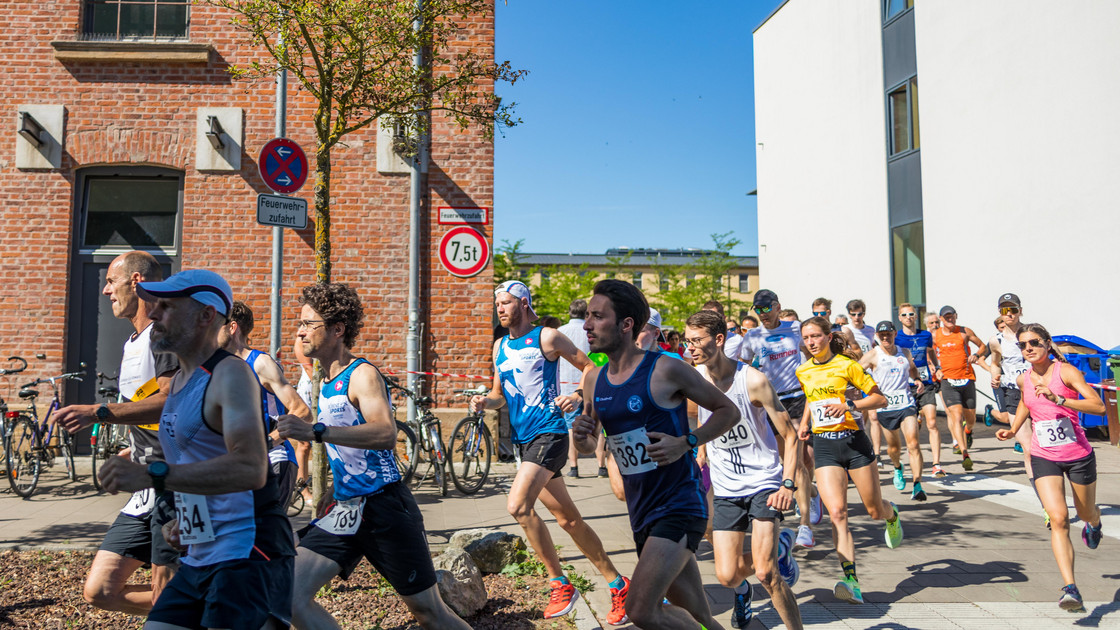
(193, 515)
(631, 451)
(1057, 432)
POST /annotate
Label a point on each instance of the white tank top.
(1012, 363)
(865, 337)
(744, 461)
(892, 374)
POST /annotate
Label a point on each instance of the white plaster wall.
(822, 189)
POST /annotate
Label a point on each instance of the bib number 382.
(193, 515)
(344, 518)
(631, 451)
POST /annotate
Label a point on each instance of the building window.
(744, 283)
(132, 211)
(662, 283)
(894, 7)
(903, 104)
(908, 263)
(114, 20)
(637, 281)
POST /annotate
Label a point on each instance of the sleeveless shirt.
(1012, 363)
(1057, 433)
(272, 408)
(530, 384)
(952, 352)
(892, 375)
(744, 461)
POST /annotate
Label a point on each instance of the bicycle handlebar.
(15, 370)
(77, 376)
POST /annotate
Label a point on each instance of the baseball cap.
(1009, 298)
(947, 310)
(655, 321)
(884, 326)
(765, 297)
(201, 285)
(517, 289)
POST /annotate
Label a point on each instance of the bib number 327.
(193, 514)
(631, 451)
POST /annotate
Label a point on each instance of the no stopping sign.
(464, 252)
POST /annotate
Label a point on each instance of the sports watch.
(158, 472)
(851, 405)
(319, 429)
(102, 412)
(788, 485)
(691, 439)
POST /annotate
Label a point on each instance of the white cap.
(519, 290)
(654, 318)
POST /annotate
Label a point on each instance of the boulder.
(460, 582)
(490, 549)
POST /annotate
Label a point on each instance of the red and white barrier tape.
(1105, 387)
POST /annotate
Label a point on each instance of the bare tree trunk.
(323, 213)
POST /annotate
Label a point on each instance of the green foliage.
(526, 565)
(507, 260)
(685, 288)
(564, 283)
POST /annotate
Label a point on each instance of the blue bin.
(1094, 366)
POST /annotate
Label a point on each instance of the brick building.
(123, 95)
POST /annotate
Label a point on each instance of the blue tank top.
(530, 383)
(358, 472)
(628, 413)
(917, 345)
(239, 522)
(272, 408)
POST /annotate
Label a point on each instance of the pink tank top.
(1056, 431)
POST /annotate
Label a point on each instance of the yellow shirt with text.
(826, 383)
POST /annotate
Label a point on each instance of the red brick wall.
(131, 113)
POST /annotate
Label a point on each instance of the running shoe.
(573, 472)
(787, 564)
(956, 449)
(805, 537)
(988, 415)
(562, 600)
(743, 613)
(1046, 519)
(967, 462)
(1071, 599)
(918, 494)
(938, 471)
(899, 478)
(847, 590)
(1092, 535)
(602, 471)
(617, 616)
(893, 531)
(968, 439)
(1018, 447)
(815, 511)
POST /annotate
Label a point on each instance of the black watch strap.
(319, 429)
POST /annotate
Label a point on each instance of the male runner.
(731, 345)
(525, 380)
(134, 538)
(752, 486)
(958, 380)
(372, 515)
(237, 568)
(1007, 364)
(863, 334)
(892, 368)
(778, 347)
(640, 399)
(822, 307)
(920, 345)
(277, 395)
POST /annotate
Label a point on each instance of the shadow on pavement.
(65, 534)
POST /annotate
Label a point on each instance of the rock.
(460, 582)
(490, 549)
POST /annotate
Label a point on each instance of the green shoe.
(893, 531)
(899, 479)
(847, 590)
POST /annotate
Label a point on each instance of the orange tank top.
(952, 353)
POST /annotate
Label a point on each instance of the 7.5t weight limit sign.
(464, 252)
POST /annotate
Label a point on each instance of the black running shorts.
(547, 450)
(734, 514)
(849, 453)
(1080, 471)
(141, 537)
(1007, 399)
(229, 594)
(892, 420)
(959, 394)
(928, 395)
(673, 527)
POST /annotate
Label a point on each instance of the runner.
(373, 514)
(230, 516)
(789, 315)
(822, 307)
(778, 349)
(920, 345)
(958, 380)
(1059, 449)
(525, 380)
(278, 397)
(304, 389)
(752, 486)
(640, 399)
(893, 368)
(731, 345)
(134, 539)
(864, 337)
(842, 450)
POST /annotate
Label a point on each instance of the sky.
(638, 124)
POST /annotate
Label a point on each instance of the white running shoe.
(815, 511)
(804, 537)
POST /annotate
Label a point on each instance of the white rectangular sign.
(462, 216)
(282, 211)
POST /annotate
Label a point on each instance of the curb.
(583, 617)
(58, 547)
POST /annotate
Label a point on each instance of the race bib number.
(145, 390)
(897, 400)
(958, 382)
(817, 410)
(739, 435)
(193, 514)
(1058, 432)
(344, 518)
(140, 503)
(630, 451)
(923, 373)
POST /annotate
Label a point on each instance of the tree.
(507, 261)
(564, 283)
(685, 288)
(355, 58)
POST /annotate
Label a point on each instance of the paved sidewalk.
(976, 555)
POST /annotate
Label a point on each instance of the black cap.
(884, 326)
(765, 297)
(947, 310)
(1009, 298)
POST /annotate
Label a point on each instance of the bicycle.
(28, 446)
(426, 437)
(7, 417)
(470, 448)
(106, 440)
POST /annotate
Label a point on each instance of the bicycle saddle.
(424, 400)
(28, 393)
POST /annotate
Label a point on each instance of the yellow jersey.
(826, 384)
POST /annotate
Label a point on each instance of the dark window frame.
(89, 16)
(913, 124)
(139, 173)
(888, 17)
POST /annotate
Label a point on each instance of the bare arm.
(867, 361)
(1021, 414)
(367, 393)
(74, 418)
(850, 339)
(556, 344)
(996, 369)
(671, 380)
(272, 378)
(494, 399)
(762, 394)
(1090, 401)
(981, 347)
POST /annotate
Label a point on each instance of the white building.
(1009, 183)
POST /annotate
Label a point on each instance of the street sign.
(283, 165)
(282, 211)
(464, 252)
(462, 216)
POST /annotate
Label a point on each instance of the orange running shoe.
(562, 600)
(617, 616)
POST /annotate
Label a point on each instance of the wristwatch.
(1061, 402)
(102, 412)
(319, 428)
(691, 439)
(158, 472)
(788, 485)
(851, 405)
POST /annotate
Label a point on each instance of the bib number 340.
(631, 451)
(193, 515)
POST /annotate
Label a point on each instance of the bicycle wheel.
(99, 445)
(406, 452)
(470, 452)
(296, 502)
(23, 457)
(66, 449)
(437, 459)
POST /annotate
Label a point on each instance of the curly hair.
(336, 303)
(242, 315)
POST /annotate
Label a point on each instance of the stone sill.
(140, 52)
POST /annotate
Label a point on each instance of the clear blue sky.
(638, 124)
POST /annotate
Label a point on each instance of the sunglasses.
(856, 314)
(1034, 343)
(907, 314)
(763, 309)
(820, 313)
(1009, 310)
(732, 329)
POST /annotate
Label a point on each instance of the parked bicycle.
(30, 445)
(106, 440)
(425, 432)
(470, 448)
(7, 417)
